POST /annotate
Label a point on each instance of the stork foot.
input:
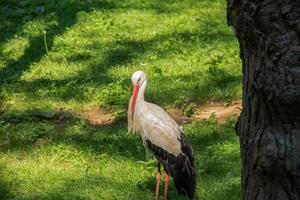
(167, 180)
(157, 184)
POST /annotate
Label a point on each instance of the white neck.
(140, 97)
(133, 121)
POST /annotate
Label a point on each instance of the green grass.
(185, 47)
(78, 161)
(94, 46)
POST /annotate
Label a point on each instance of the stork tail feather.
(181, 167)
(185, 176)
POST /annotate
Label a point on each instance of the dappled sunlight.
(89, 153)
(5, 185)
(31, 129)
(90, 47)
(63, 130)
(62, 176)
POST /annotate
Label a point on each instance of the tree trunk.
(269, 125)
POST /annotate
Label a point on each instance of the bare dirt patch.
(177, 115)
(221, 111)
(94, 115)
(98, 116)
(203, 112)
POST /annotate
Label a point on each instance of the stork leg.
(158, 173)
(167, 180)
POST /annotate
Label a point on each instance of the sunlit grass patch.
(95, 47)
(49, 151)
(82, 161)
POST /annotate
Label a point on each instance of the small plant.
(45, 41)
(190, 109)
(214, 63)
(213, 118)
(121, 116)
(181, 102)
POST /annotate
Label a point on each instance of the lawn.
(60, 58)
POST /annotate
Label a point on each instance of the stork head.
(138, 78)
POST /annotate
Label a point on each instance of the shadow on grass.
(33, 127)
(64, 11)
(63, 127)
(28, 130)
(121, 53)
(221, 80)
(16, 14)
(217, 162)
(5, 192)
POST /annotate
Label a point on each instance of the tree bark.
(269, 125)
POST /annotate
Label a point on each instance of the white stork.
(164, 138)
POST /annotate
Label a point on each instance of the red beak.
(134, 95)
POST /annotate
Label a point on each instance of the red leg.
(167, 180)
(158, 173)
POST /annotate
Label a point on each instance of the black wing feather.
(186, 170)
(181, 167)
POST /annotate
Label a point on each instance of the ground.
(65, 68)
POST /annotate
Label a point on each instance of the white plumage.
(163, 136)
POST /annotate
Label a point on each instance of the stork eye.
(138, 82)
